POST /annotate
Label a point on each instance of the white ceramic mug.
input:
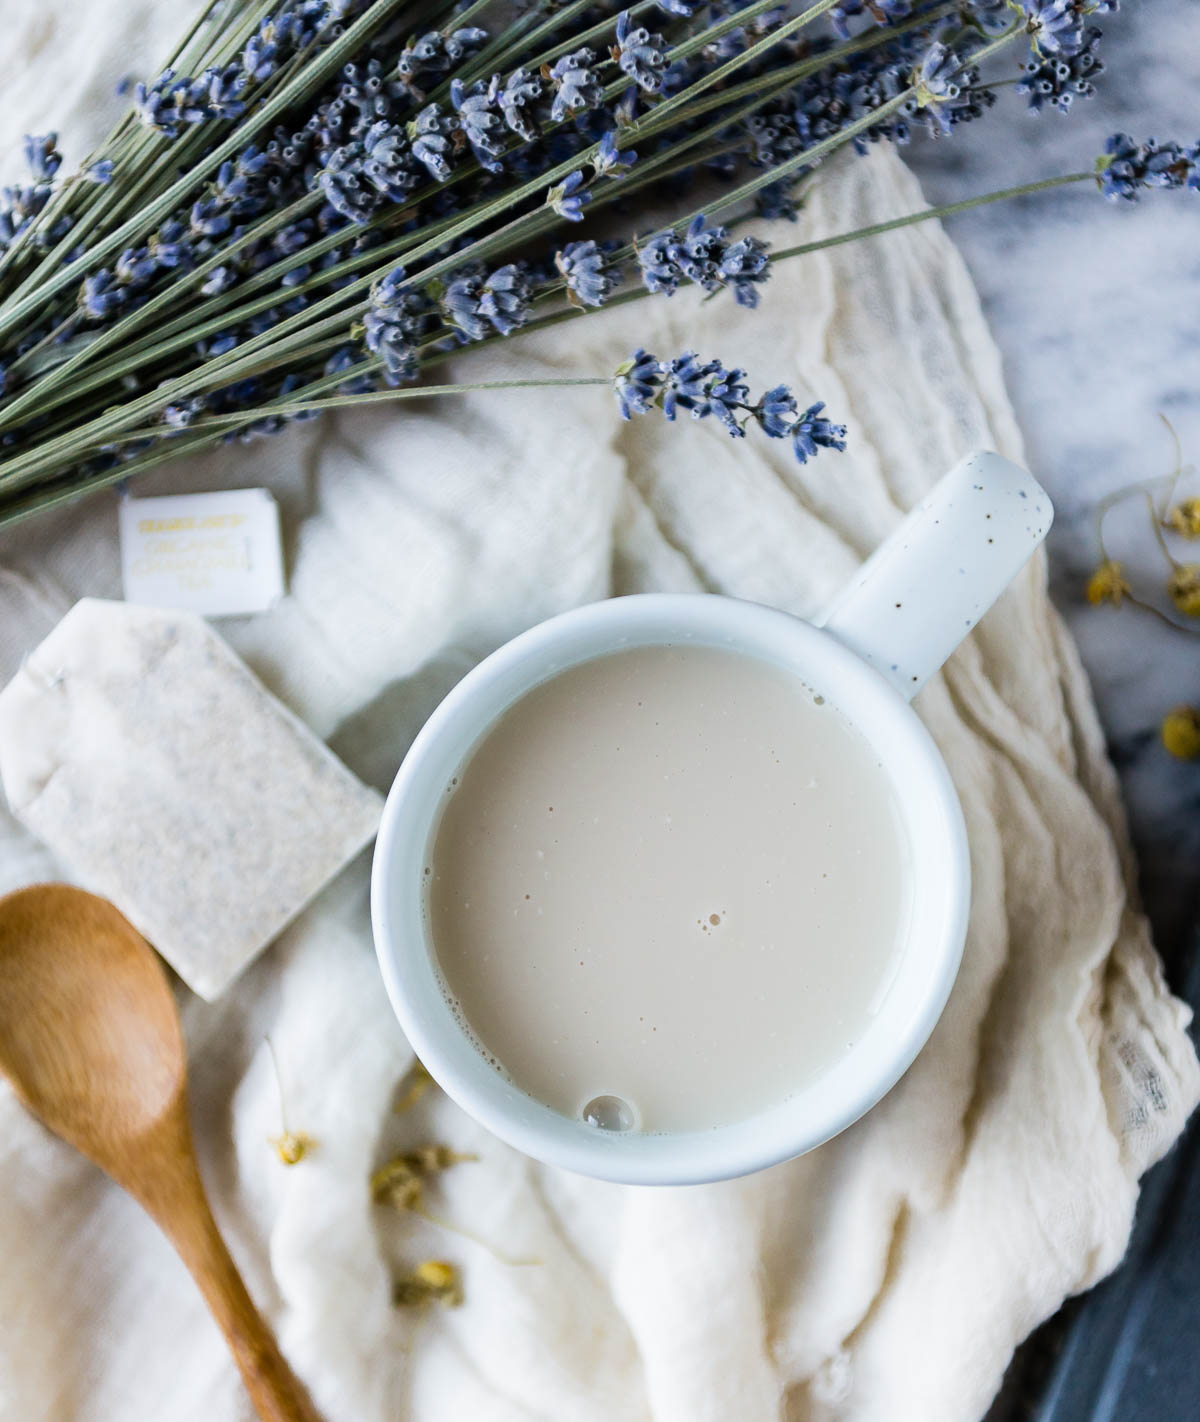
(890, 629)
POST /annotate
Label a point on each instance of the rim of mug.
(925, 969)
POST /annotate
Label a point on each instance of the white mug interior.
(907, 1007)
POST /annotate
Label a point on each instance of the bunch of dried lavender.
(316, 201)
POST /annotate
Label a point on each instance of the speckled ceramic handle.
(919, 594)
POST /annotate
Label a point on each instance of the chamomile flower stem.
(1179, 472)
(508, 1260)
(1156, 524)
(1143, 606)
(278, 1085)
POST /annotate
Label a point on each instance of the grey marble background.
(1096, 309)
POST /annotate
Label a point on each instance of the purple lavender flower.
(1128, 167)
(505, 298)
(431, 132)
(570, 197)
(42, 156)
(222, 90)
(947, 89)
(725, 396)
(699, 253)
(483, 126)
(19, 205)
(1057, 25)
(577, 84)
(218, 345)
(704, 255)
(639, 54)
(1057, 80)
(610, 161)
(776, 412)
(883, 12)
(387, 163)
(218, 280)
(394, 323)
(517, 98)
(707, 388)
(587, 278)
(209, 218)
(428, 59)
(346, 358)
(460, 303)
(101, 295)
(684, 383)
(625, 111)
(778, 202)
(658, 258)
(812, 433)
(179, 416)
(637, 384)
(744, 267)
(135, 266)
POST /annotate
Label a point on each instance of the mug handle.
(931, 580)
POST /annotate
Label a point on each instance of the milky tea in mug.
(668, 888)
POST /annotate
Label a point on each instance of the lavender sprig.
(705, 388)
(1127, 167)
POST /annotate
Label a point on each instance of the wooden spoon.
(90, 1039)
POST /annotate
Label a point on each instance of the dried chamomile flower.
(1185, 518)
(415, 1083)
(1181, 732)
(401, 1182)
(290, 1146)
(1184, 588)
(293, 1146)
(433, 1280)
(1107, 584)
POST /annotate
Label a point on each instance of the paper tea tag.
(218, 554)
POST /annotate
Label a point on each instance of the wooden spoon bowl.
(90, 1040)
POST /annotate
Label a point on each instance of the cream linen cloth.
(883, 1278)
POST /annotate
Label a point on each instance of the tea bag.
(148, 757)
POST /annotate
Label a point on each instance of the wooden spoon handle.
(275, 1391)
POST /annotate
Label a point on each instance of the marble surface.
(1095, 307)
